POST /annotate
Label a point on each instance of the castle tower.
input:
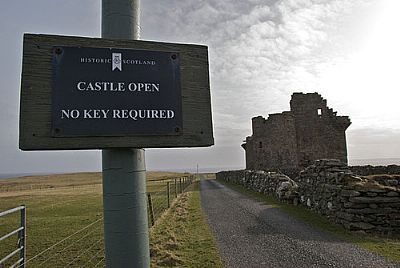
(320, 132)
(294, 139)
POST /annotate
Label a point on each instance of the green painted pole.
(120, 19)
(124, 172)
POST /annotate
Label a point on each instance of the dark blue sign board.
(80, 93)
(115, 92)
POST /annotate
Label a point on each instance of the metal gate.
(21, 232)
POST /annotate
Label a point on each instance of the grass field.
(64, 216)
(388, 247)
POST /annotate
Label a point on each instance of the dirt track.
(253, 234)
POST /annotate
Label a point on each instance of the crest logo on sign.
(116, 61)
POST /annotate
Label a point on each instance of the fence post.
(22, 237)
(176, 190)
(151, 209)
(168, 193)
(180, 185)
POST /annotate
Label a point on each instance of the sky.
(260, 52)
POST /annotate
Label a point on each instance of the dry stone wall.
(330, 188)
(277, 184)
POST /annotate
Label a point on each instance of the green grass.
(53, 215)
(384, 246)
(182, 237)
(57, 207)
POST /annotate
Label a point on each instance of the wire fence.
(30, 187)
(81, 243)
(163, 195)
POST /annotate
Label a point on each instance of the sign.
(115, 92)
(92, 93)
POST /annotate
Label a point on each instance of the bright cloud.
(260, 53)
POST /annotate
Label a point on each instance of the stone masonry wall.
(330, 188)
(320, 133)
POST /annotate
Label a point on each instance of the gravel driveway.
(253, 234)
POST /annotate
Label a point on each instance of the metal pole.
(124, 173)
(120, 19)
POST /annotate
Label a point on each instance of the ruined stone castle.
(294, 139)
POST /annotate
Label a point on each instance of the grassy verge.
(384, 246)
(181, 238)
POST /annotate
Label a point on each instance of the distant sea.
(201, 169)
(352, 162)
(374, 162)
(181, 170)
(17, 175)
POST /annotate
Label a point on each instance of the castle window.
(260, 145)
(319, 111)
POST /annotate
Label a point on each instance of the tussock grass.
(388, 247)
(181, 238)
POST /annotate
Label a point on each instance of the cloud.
(261, 51)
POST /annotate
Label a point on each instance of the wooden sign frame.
(35, 131)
